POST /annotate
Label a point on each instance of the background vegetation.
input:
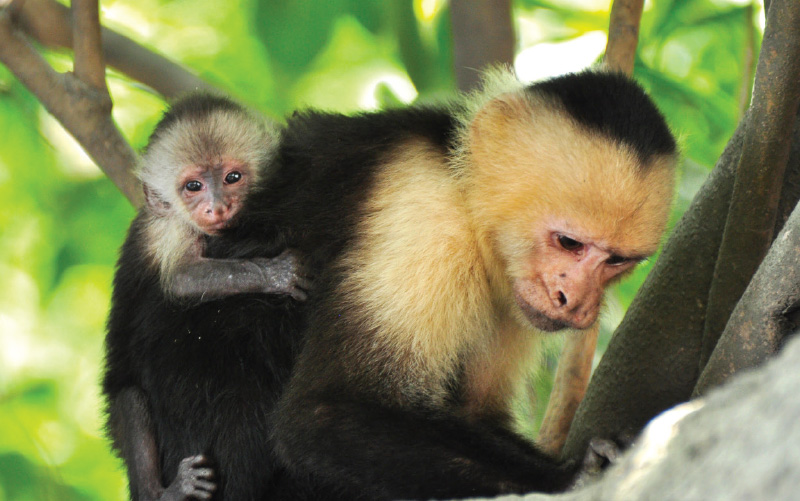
(62, 221)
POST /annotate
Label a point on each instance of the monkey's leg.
(207, 278)
(390, 453)
(132, 431)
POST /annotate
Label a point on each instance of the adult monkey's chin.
(539, 319)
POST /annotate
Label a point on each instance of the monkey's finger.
(305, 283)
(298, 294)
(191, 462)
(605, 449)
(204, 486)
(207, 473)
(195, 461)
(200, 494)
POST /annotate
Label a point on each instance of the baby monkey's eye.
(193, 186)
(233, 177)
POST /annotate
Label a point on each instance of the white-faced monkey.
(196, 351)
(445, 243)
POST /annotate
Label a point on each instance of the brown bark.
(89, 65)
(569, 387)
(751, 220)
(766, 314)
(623, 35)
(768, 306)
(483, 36)
(749, 60)
(83, 110)
(48, 22)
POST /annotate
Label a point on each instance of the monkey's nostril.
(562, 299)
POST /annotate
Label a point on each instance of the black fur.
(196, 378)
(614, 105)
(211, 373)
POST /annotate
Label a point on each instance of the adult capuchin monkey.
(446, 242)
(196, 351)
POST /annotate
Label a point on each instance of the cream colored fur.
(416, 274)
(219, 136)
(443, 239)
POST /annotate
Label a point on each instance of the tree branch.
(569, 387)
(765, 315)
(89, 65)
(749, 59)
(483, 35)
(48, 22)
(81, 109)
(623, 34)
(575, 362)
(749, 229)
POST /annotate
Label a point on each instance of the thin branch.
(575, 362)
(48, 22)
(623, 35)
(89, 65)
(750, 225)
(82, 111)
(569, 387)
(483, 35)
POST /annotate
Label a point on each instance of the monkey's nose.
(218, 212)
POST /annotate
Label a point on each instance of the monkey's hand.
(601, 454)
(193, 481)
(284, 274)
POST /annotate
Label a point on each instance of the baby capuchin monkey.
(198, 348)
(203, 157)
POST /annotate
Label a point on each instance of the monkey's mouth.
(213, 229)
(538, 319)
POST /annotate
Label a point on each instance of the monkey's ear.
(496, 120)
(158, 206)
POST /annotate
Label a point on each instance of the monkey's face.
(567, 208)
(565, 275)
(213, 193)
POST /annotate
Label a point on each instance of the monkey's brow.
(637, 257)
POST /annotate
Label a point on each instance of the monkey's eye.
(569, 244)
(617, 260)
(233, 177)
(193, 186)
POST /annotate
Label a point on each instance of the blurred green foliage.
(62, 222)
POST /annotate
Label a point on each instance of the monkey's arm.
(131, 429)
(395, 453)
(206, 279)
